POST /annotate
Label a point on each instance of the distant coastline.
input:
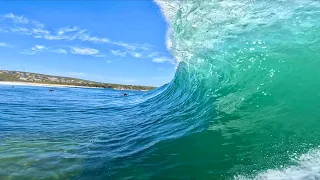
(13, 83)
(20, 78)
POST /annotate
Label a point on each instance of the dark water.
(244, 104)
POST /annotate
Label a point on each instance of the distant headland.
(19, 77)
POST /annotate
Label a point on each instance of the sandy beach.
(39, 84)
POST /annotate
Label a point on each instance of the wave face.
(249, 69)
(244, 104)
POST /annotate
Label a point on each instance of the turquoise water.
(244, 104)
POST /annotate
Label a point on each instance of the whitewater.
(244, 104)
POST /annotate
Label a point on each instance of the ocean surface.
(244, 104)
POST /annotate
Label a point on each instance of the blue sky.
(109, 41)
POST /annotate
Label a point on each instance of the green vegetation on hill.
(18, 76)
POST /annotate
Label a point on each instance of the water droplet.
(271, 72)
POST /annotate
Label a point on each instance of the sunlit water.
(244, 104)
(63, 134)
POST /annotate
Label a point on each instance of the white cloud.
(23, 25)
(34, 50)
(2, 44)
(41, 48)
(99, 55)
(60, 51)
(22, 30)
(136, 55)
(125, 45)
(16, 19)
(169, 38)
(85, 37)
(38, 24)
(118, 53)
(84, 51)
(153, 54)
(162, 59)
(130, 52)
(22, 20)
(38, 32)
(38, 47)
(67, 30)
(109, 61)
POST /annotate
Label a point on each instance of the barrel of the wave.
(252, 66)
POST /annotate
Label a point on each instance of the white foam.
(168, 8)
(307, 168)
